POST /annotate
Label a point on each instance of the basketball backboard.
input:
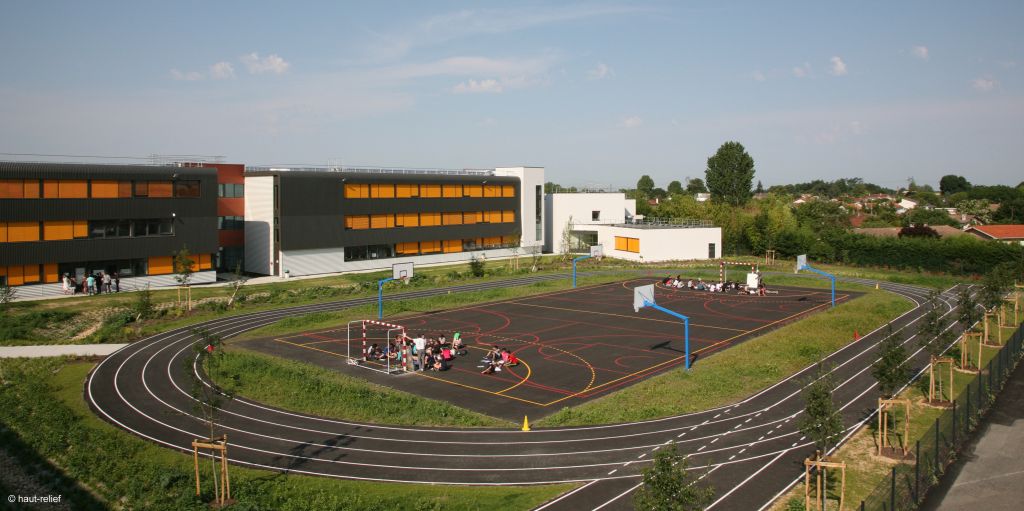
(801, 261)
(401, 271)
(643, 296)
(597, 251)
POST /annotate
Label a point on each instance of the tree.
(730, 173)
(995, 284)
(695, 186)
(921, 216)
(820, 216)
(208, 400)
(184, 267)
(1010, 212)
(978, 208)
(918, 231)
(645, 186)
(760, 187)
(929, 332)
(476, 266)
(967, 308)
(953, 184)
(675, 188)
(821, 421)
(143, 307)
(7, 295)
(889, 370)
(237, 284)
(668, 486)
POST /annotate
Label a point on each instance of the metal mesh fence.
(908, 483)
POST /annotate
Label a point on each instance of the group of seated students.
(497, 358)
(437, 351)
(712, 287)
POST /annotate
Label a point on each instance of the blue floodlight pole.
(380, 297)
(580, 258)
(686, 327)
(830, 276)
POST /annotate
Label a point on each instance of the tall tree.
(675, 187)
(1010, 212)
(889, 370)
(929, 333)
(730, 174)
(821, 421)
(645, 185)
(668, 486)
(760, 187)
(952, 184)
(967, 308)
(696, 185)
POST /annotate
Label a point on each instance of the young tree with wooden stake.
(668, 486)
(184, 267)
(821, 421)
(967, 308)
(889, 370)
(208, 401)
(237, 284)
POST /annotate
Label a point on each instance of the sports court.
(573, 345)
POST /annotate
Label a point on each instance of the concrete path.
(59, 350)
(990, 473)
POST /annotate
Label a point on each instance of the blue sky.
(597, 92)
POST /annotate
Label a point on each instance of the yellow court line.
(317, 342)
(529, 371)
(625, 316)
(655, 366)
(442, 380)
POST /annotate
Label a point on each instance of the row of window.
(95, 189)
(388, 221)
(21, 274)
(53, 230)
(408, 191)
(627, 244)
(230, 222)
(230, 190)
(413, 248)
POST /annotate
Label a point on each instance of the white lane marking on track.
(731, 457)
(715, 440)
(640, 457)
(701, 448)
(565, 496)
(613, 471)
(681, 435)
(717, 416)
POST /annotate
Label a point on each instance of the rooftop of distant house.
(1000, 232)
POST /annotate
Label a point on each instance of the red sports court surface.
(573, 345)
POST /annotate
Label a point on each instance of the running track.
(751, 450)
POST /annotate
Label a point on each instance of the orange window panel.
(508, 191)
(633, 245)
(161, 189)
(104, 189)
(12, 189)
(124, 189)
(407, 220)
(451, 191)
(510, 240)
(508, 216)
(407, 248)
(31, 188)
(22, 231)
(451, 218)
(430, 191)
(492, 190)
(382, 221)
(405, 191)
(492, 241)
(452, 246)
(15, 277)
(31, 273)
(50, 273)
(204, 262)
(621, 243)
(50, 189)
(492, 217)
(472, 191)
(80, 229)
(357, 222)
(379, 191)
(471, 217)
(3, 233)
(161, 265)
(72, 189)
(357, 191)
(430, 247)
(430, 219)
(58, 230)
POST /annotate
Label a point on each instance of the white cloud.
(270, 64)
(758, 76)
(187, 76)
(984, 84)
(920, 52)
(600, 72)
(632, 122)
(802, 71)
(838, 66)
(474, 86)
(222, 70)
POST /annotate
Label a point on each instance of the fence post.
(917, 471)
(892, 490)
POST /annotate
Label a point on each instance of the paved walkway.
(990, 473)
(59, 350)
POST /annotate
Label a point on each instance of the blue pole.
(580, 258)
(686, 327)
(380, 297)
(830, 277)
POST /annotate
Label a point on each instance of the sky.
(597, 92)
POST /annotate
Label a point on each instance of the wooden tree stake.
(883, 422)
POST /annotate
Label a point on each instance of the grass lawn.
(733, 374)
(49, 431)
(865, 469)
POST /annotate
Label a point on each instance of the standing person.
(117, 282)
(107, 283)
(421, 346)
(65, 284)
(90, 284)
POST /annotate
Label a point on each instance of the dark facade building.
(230, 214)
(303, 222)
(80, 219)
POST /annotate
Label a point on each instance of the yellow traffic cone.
(876, 285)
(526, 423)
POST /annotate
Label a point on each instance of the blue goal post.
(802, 265)
(643, 296)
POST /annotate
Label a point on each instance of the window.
(711, 251)
(492, 190)
(627, 244)
(430, 191)
(142, 189)
(369, 252)
(227, 190)
(58, 230)
(472, 191)
(411, 248)
(430, 247)
(472, 217)
(102, 189)
(595, 215)
(382, 221)
(161, 189)
(451, 191)
(508, 191)
(407, 220)
(230, 222)
(73, 189)
(492, 242)
(124, 189)
(452, 246)
(161, 265)
(451, 218)
(538, 209)
(357, 222)
(379, 191)
(492, 217)
(189, 188)
(508, 216)
(430, 219)
(357, 191)
(12, 189)
(22, 231)
(405, 191)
